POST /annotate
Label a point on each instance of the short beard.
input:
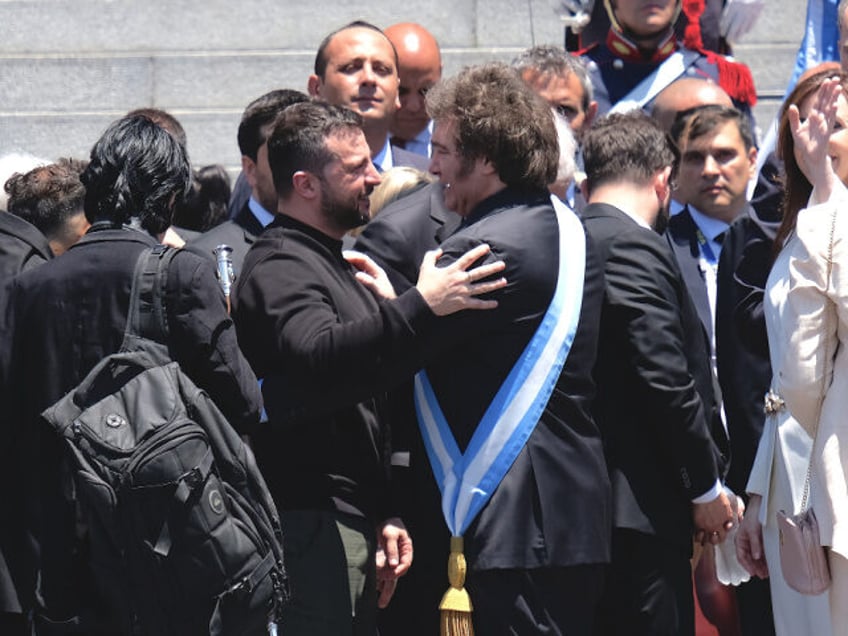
(343, 214)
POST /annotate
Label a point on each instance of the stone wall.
(69, 67)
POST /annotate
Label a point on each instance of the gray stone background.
(69, 67)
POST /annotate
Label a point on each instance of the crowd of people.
(499, 341)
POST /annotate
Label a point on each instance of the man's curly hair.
(499, 119)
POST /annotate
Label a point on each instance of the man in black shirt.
(327, 352)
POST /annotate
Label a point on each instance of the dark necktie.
(397, 141)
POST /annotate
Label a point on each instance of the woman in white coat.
(806, 309)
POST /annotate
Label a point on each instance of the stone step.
(69, 68)
(187, 25)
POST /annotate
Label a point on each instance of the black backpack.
(183, 535)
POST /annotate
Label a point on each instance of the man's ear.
(584, 189)
(313, 86)
(662, 184)
(591, 113)
(306, 184)
(752, 161)
(248, 167)
(486, 166)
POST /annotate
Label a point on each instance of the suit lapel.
(681, 235)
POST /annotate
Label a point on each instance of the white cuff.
(711, 494)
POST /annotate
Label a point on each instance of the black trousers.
(560, 601)
(648, 588)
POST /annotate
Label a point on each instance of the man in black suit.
(655, 403)
(708, 236)
(357, 67)
(537, 546)
(257, 209)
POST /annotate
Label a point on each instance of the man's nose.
(711, 166)
(367, 75)
(414, 102)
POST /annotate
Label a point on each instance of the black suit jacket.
(239, 233)
(403, 231)
(662, 433)
(682, 238)
(744, 371)
(22, 246)
(744, 374)
(552, 507)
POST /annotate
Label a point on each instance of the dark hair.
(702, 120)
(47, 196)
(321, 61)
(298, 141)
(499, 119)
(136, 169)
(550, 60)
(796, 187)
(163, 119)
(626, 147)
(205, 203)
(259, 114)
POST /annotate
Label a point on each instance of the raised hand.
(811, 137)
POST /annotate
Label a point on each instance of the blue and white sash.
(467, 481)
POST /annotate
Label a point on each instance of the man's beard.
(344, 213)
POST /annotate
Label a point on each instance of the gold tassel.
(456, 603)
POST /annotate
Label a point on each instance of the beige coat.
(807, 321)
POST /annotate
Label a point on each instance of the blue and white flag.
(821, 39)
(820, 44)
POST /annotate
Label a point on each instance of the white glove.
(576, 13)
(738, 18)
(728, 569)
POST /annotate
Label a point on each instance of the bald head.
(686, 93)
(419, 67)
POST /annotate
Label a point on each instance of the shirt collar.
(709, 226)
(383, 160)
(262, 215)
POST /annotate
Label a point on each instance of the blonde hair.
(395, 184)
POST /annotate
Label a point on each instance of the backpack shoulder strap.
(147, 317)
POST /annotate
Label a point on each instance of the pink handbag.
(803, 559)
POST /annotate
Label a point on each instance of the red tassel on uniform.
(735, 78)
(693, 10)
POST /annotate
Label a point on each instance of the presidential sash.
(468, 480)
